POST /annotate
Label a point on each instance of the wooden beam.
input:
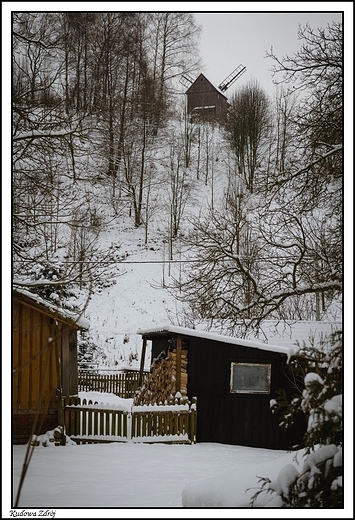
(65, 361)
(141, 370)
(73, 361)
(178, 364)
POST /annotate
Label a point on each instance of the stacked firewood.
(159, 386)
(183, 380)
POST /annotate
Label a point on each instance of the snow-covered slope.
(132, 293)
(134, 297)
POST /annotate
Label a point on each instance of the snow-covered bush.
(319, 483)
(86, 349)
(56, 437)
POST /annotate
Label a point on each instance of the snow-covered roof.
(283, 337)
(166, 329)
(39, 302)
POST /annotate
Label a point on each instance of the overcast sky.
(232, 38)
(233, 33)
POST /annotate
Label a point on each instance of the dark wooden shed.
(44, 352)
(233, 380)
(206, 102)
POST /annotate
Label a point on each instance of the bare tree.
(317, 71)
(247, 129)
(78, 31)
(225, 274)
(46, 144)
(179, 186)
(289, 265)
(173, 39)
(137, 158)
(285, 129)
(152, 203)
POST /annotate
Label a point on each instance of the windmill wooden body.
(207, 102)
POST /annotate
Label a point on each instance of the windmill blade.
(186, 80)
(232, 77)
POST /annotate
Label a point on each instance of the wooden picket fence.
(179, 425)
(85, 420)
(88, 422)
(122, 384)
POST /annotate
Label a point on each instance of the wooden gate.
(88, 422)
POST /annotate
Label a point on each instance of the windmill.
(206, 101)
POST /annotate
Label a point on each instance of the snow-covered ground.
(71, 480)
(137, 475)
(125, 475)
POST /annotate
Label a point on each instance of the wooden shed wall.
(36, 368)
(234, 418)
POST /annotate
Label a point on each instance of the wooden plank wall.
(231, 418)
(33, 360)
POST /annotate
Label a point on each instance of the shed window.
(250, 378)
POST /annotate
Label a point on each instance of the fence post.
(193, 421)
(144, 347)
(76, 401)
(66, 416)
(178, 364)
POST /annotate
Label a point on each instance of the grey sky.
(232, 38)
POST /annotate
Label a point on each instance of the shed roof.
(64, 315)
(282, 337)
(167, 329)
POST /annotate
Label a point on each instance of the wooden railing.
(123, 384)
(88, 422)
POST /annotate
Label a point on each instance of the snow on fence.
(121, 384)
(88, 422)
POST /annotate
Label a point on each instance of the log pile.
(183, 369)
(160, 385)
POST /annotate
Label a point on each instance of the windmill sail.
(186, 80)
(232, 77)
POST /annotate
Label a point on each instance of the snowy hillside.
(134, 300)
(134, 296)
(135, 264)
